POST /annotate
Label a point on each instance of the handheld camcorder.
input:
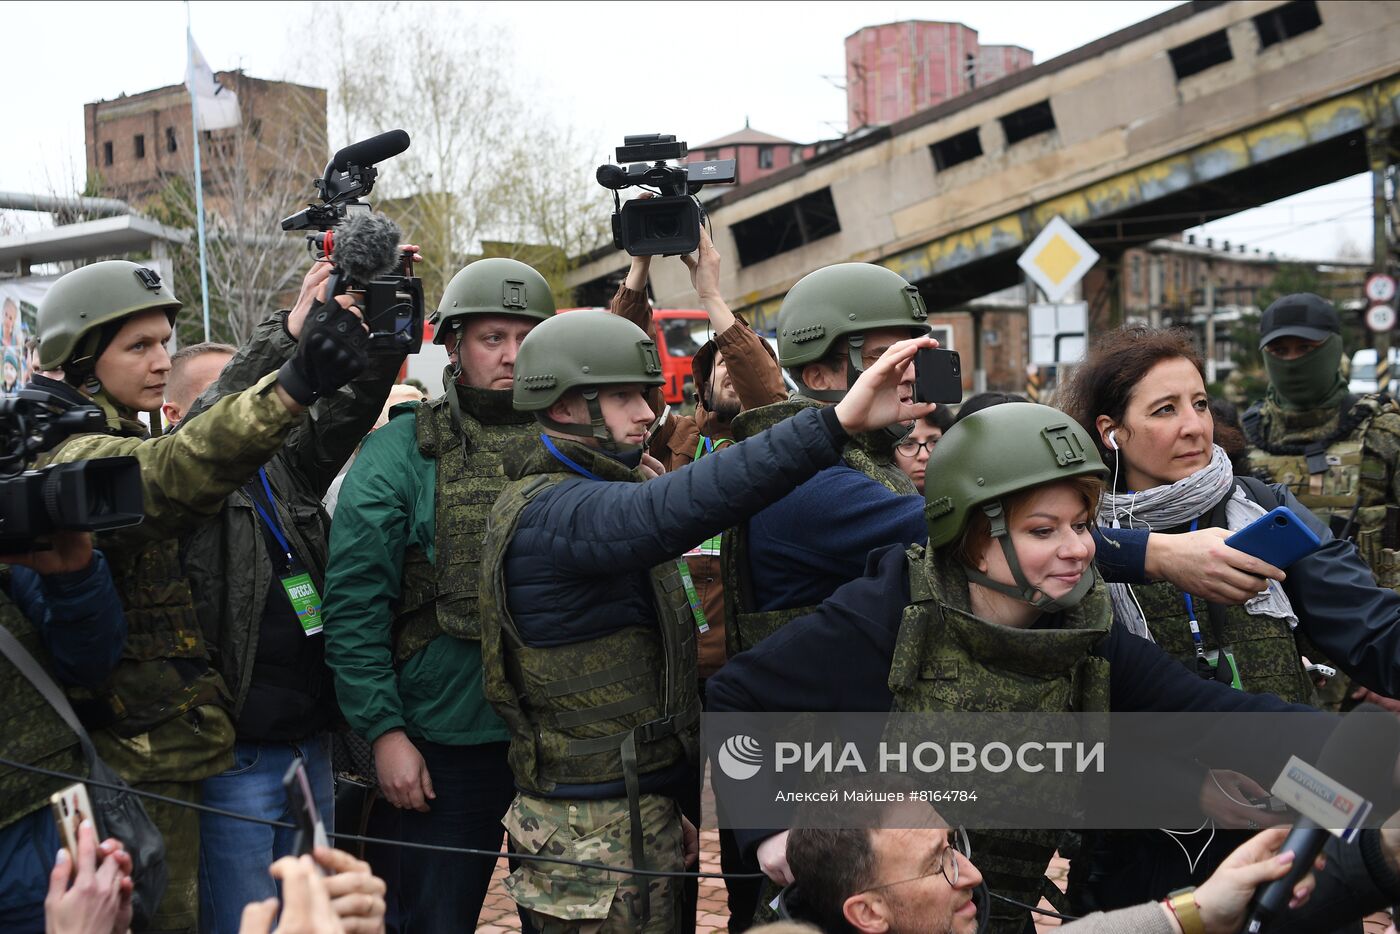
(365, 246)
(86, 496)
(668, 225)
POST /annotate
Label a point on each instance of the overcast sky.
(695, 69)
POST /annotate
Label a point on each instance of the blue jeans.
(441, 894)
(234, 854)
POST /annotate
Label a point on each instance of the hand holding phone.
(1278, 537)
(938, 376)
(71, 807)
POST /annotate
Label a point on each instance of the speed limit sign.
(1380, 288)
(1380, 317)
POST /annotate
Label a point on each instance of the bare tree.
(482, 166)
(254, 175)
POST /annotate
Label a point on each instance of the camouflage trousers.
(572, 899)
(178, 911)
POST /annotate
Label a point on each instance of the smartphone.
(70, 808)
(938, 376)
(301, 803)
(1278, 537)
(1267, 803)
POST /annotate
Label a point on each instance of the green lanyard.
(708, 547)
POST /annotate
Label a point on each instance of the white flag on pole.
(215, 104)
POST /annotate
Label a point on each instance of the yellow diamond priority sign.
(1057, 259)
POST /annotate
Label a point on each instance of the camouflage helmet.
(72, 313)
(493, 286)
(844, 300)
(992, 454)
(582, 350)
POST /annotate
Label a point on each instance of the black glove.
(332, 351)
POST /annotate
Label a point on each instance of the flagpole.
(198, 180)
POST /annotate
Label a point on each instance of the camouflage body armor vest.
(947, 659)
(466, 439)
(1339, 465)
(164, 669)
(1263, 647)
(31, 731)
(607, 709)
(870, 453)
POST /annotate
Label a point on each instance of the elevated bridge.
(1197, 113)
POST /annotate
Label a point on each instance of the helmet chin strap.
(597, 428)
(1022, 589)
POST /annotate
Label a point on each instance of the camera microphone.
(1364, 745)
(371, 151)
(366, 246)
(612, 176)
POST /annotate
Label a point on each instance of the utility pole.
(1377, 151)
(1210, 327)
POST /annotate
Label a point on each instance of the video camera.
(668, 225)
(364, 246)
(87, 495)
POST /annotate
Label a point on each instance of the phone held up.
(938, 376)
(1278, 537)
(70, 808)
(310, 831)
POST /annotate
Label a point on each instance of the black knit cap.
(1302, 315)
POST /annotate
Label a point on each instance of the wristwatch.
(1183, 906)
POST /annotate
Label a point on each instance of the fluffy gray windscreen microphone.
(366, 246)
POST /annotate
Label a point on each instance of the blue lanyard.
(273, 525)
(576, 468)
(1191, 610)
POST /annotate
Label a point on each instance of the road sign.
(1380, 317)
(1057, 259)
(1380, 287)
(1057, 333)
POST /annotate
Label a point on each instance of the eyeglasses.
(911, 448)
(958, 845)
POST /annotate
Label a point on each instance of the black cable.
(1039, 911)
(436, 848)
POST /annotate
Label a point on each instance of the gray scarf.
(1176, 504)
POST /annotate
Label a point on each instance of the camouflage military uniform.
(1341, 463)
(162, 719)
(609, 709)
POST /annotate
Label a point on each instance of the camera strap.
(295, 580)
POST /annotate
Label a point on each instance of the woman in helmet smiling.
(1000, 612)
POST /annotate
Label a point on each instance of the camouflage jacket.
(226, 559)
(165, 672)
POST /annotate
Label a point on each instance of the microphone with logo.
(1362, 750)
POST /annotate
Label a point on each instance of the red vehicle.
(680, 333)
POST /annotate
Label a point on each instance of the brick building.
(754, 152)
(897, 69)
(137, 143)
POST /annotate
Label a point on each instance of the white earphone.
(1113, 439)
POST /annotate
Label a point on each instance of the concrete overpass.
(1197, 113)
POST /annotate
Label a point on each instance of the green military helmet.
(73, 312)
(493, 286)
(582, 350)
(844, 300)
(992, 454)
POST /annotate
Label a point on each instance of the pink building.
(756, 153)
(898, 69)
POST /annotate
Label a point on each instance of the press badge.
(305, 601)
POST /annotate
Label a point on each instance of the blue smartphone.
(1278, 537)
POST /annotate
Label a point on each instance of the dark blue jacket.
(838, 658)
(816, 538)
(578, 565)
(79, 617)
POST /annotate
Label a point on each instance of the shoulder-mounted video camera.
(365, 246)
(668, 225)
(87, 496)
